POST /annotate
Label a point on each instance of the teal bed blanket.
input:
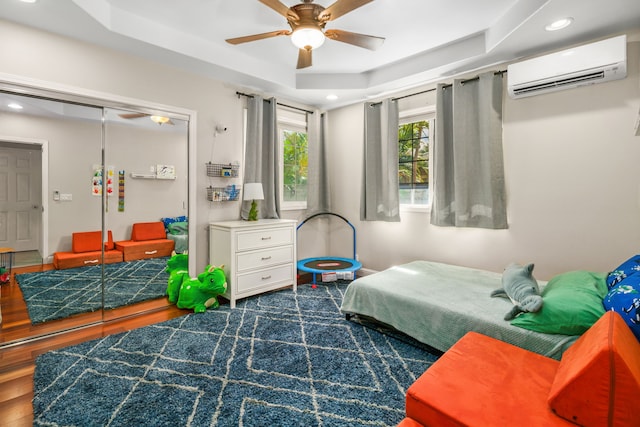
(437, 304)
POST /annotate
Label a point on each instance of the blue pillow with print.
(626, 269)
(170, 220)
(624, 299)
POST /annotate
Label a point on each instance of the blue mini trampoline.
(319, 265)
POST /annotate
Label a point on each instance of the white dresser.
(258, 256)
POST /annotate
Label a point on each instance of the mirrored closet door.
(145, 206)
(97, 197)
(47, 149)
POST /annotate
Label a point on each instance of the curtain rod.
(447, 85)
(283, 105)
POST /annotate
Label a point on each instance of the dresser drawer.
(264, 238)
(263, 278)
(264, 258)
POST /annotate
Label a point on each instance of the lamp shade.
(303, 37)
(253, 191)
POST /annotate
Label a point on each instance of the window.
(414, 142)
(292, 130)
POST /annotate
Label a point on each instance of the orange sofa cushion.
(146, 249)
(148, 231)
(62, 260)
(90, 241)
(86, 249)
(408, 422)
(481, 381)
(598, 379)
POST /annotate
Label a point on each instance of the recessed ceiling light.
(28, 1)
(332, 97)
(559, 24)
(14, 106)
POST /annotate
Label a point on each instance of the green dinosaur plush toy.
(201, 293)
(519, 285)
(178, 269)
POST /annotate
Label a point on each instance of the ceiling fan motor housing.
(308, 13)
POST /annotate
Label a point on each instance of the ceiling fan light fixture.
(160, 119)
(303, 37)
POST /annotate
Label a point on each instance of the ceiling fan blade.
(281, 9)
(361, 40)
(339, 8)
(133, 115)
(304, 58)
(254, 37)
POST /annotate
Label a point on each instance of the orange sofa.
(481, 381)
(148, 240)
(86, 249)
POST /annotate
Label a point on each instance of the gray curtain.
(468, 170)
(318, 190)
(260, 161)
(380, 199)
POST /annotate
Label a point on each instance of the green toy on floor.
(198, 293)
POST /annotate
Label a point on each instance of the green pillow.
(178, 228)
(572, 302)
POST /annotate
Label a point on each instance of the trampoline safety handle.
(353, 229)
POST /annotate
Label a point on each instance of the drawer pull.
(91, 261)
(150, 252)
(266, 238)
(266, 277)
(265, 258)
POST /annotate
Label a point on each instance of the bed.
(437, 304)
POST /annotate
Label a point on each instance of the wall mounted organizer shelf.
(222, 170)
(230, 193)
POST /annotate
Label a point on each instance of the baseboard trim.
(366, 272)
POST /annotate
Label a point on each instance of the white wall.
(573, 186)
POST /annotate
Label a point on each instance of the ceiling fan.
(161, 120)
(307, 21)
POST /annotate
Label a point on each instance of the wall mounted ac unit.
(588, 64)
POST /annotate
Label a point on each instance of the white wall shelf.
(149, 176)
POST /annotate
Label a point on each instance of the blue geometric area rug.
(278, 359)
(57, 294)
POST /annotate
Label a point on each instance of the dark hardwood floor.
(21, 342)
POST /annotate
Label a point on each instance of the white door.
(20, 196)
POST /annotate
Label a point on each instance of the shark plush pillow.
(519, 285)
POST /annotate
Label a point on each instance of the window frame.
(426, 113)
(296, 122)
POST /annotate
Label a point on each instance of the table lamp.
(253, 192)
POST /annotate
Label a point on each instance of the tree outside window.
(295, 162)
(413, 167)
